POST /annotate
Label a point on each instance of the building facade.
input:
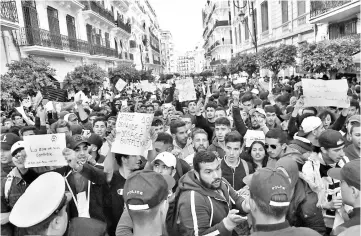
(217, 33)
(169, 54)
(186, 64)
(199, 60)
(72, 33)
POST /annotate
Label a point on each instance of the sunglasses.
(272, 146)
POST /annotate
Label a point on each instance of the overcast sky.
(183, 18)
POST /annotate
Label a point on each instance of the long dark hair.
(250, 158)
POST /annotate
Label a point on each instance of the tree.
(147, 75)
(277, 58)
(206, 73)
(125, 72)
(87, 78)
(26, 77)
(222, 70)
(329, 56)
(244, 62)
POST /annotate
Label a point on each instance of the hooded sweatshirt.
(215, 147)
(201, 210)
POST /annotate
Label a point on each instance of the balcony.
(125, 28)
(43, 42)
(219, 43)
(132, 44)
(332, 11)
(95, 12)
(9, 15)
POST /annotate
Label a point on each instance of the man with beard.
(200, 143)
(181, 143)
(258, 120)
(271, 117)
(192, 105)
(205, 199)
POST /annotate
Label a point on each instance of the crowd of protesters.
(203, 175)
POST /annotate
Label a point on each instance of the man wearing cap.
(146, 198)
(310, 130)
(164, 164)
(270, 196)
(41, 210)
(206, 199)
(315, 173)
(349, 175)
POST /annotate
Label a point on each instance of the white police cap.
(40, 200)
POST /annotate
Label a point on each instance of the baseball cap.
(350, 173)
(354, 118)
(76, 140)
(67, 116)
(146, 189)
(17, 145)
(267, 182)
(96, 140)
(259, 110)
(44, 196)
(331, 139)
(309, 124)
(8, 140)
(167, 158)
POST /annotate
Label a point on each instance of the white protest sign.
(21, 111)
(325, 92)
(49, 106)
(79, 96)
(186, 90)
(106, 83)
(120, 85)
(147, 87)
(240, 80)
(45, 150)
(132, 137)
(254, 135)
(37, 99)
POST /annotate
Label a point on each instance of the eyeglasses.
(272, 146)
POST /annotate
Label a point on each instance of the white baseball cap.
(309, 124)
(167, 158)
(17, 145)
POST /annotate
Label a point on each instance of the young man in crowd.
(200, 143)
(182, 144)
(205, 205)
(192, 107)
(349, 175)
(234, 169)
(352, 151)
(158, 125)
(222, 127)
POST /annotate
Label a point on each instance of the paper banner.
(325, 93)
(120, 85)
(132, 137)
(254, 135)
(49, 106)
(79, 96)
(45, 150)
(186, 90)
(240, 80)
(37, 99)
(21, 111)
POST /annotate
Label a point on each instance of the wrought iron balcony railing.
(126, 27)
(320, 7)
(97, 8)
(39, 37)
(9, 11)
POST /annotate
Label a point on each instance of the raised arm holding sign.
(45, 150)
(132, 137)
(186, 90)
(325, 93)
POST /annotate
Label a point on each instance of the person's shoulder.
(303, 231)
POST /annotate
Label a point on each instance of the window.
(264, 13)
(284, 7)
(246, 28)
(301, 7)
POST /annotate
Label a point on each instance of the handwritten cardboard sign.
(147, 87)
(254, 135)
(132, 137)
(120, 85)
(325, 92)
(186, 90)
(45, 150)
(240, 80)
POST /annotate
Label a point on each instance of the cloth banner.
(186, 90)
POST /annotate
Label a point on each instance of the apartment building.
(186, 64)
(217, 33)
(169, 55)
(71, 33)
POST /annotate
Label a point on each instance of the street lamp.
(251, 13)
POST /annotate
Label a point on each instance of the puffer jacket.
(201, 210)
(215, 147)
(303, 211)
